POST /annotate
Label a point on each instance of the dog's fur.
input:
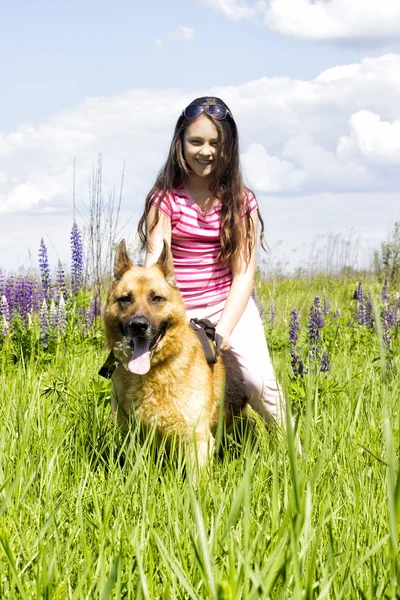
(147, 328)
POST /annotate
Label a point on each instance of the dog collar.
(205, 331)
(109, 366)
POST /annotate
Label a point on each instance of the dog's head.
(143, 308)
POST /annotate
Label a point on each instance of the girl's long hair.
(226, 185)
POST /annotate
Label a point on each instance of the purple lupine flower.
(60, 281)
(23, 297)
(44, 324)
(76, 260)
(360, 304)
(44, 271)
(385, 292)
(61, 316)
(18, 295)
(294, 328)
(369, 313)
(4, 315)
(316, 322)
(52, 317)
(10, 295)
(324, 362)
(2, 284)
(355, 295)
(91, 314)
(390, 311)
(326, 306)
(272, 314)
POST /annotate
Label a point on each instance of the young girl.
(200, 206)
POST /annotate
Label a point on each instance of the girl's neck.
(198, 184)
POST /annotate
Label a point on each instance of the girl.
(200, 206)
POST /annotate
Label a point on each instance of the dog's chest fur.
(188, 393)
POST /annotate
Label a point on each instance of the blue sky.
(313, 87)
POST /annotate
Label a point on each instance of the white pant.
(250, 347)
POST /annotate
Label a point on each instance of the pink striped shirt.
(195, 243)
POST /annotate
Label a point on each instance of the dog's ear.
(166, 264)
(122, 262)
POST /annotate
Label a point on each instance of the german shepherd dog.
(162, 378)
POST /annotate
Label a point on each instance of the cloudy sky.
(314, 86)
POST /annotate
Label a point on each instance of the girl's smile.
(200, 146)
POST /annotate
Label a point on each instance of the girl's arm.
(155, 241)
(241, 289)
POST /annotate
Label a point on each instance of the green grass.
(80, 517)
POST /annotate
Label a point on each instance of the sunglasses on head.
(218, 111)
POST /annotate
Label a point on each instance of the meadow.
(82, 517)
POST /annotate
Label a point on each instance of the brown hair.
(226, 185)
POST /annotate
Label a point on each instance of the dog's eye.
(156, 299)
(125, 298)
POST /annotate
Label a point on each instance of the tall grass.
(81, 516)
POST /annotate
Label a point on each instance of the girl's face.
(200, 146)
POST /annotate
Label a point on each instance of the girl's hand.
(226, 342)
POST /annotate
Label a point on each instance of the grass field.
(77, 521)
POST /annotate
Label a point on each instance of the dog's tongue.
(140, 361)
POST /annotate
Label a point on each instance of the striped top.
(195, 244)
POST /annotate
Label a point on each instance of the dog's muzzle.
(143, 340)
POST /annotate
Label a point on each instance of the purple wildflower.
(369, 313)
(272, 314)
(360, 305)
(316, 322)
(23, 292)
(294, 328)
(324, 362)
(44, 271)
(10, 294)
(91, 314)
(2, 284)
(44, 324)
(76, 260)
(4, 315)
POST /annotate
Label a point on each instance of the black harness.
(205, 331)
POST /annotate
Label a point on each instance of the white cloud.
(159, 43)
(181, 34)
(371, 138)
(337, 132)
(270, 173)
(337, 19)
(319, 19)
(332, 137)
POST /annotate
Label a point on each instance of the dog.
(162, 378)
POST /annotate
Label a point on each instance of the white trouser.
(250, 348)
